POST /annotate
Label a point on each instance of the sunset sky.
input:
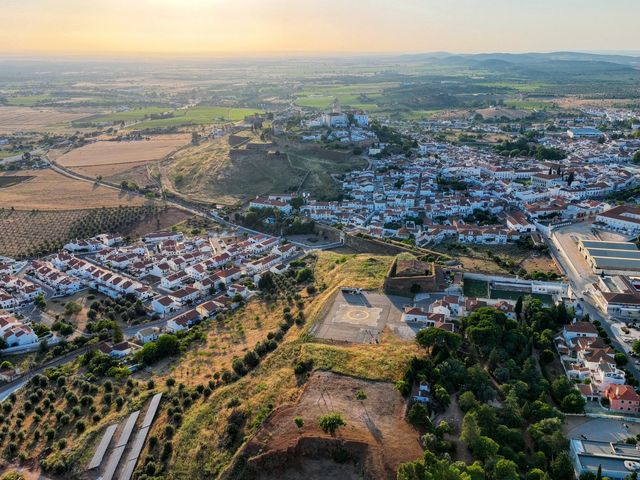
(245, 27)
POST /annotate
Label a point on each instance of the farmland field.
(126, 115)
(30, 232)
(111, 157)
(29, 100)
(16, 119)
(197, 116)
(11, 180)
(49, 190)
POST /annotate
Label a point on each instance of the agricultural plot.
(135, 114)
(29, 233)
(197, 116)
(11, 180)
(23, 119)
(107, 158)
(49, 190)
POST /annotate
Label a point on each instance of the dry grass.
(363, 271)
(49, 190)
(197, 442)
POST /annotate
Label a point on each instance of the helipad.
(362, 318)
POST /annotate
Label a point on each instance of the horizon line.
(102, 56)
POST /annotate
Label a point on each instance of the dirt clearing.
(375, 440)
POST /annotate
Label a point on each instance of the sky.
(274, 27)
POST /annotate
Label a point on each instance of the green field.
(362, 96)
(29, 100)
(198, 116)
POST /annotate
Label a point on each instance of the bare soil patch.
(375, 440)
(49, 190)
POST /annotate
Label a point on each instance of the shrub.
(299, 422)
(80, 426)
(331, 422)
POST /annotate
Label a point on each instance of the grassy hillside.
(201, 444)
(211, 172)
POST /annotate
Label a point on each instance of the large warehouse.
(611, 258)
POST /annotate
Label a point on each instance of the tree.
(467, 401)
(506, 470)
(518, 307)
(485, 448)
(636, 157)
(418, 416)
(561, 467)
(331, 422)
(40, 302)
(546, 356)
(621, 359)
(436, 337)
(296, 202)
(72, 307)
(573, 403)
(470, 430)
(570, 178)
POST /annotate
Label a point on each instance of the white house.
(623, 218)
(183, 321)
(578, 330)
(147, 335)
(165, 304)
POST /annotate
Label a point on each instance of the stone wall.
(393, 285)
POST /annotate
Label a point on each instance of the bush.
(251, 359)
(80, 426)
(299, 422)
(331, 422)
